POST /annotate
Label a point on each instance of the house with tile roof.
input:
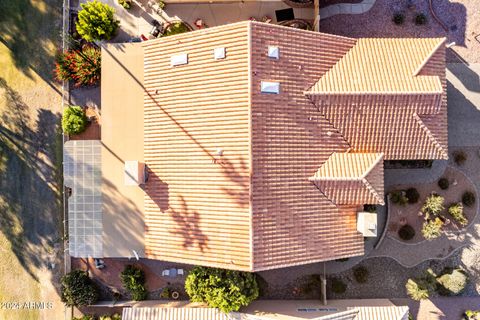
(260, 143)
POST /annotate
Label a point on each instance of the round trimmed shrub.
(412, 195)
(96, 21)
(468, 198)
(452, 282)
(399, 197)
(338, 286)
(398, 18)
(443, 183)
(459, 157)
(360, 274)
(74, 120)
(176, 28)
(227, 290)
(78, 289)
(420, 19)
(133, 280)
(406, 232)
(432, 229)
(456, 211)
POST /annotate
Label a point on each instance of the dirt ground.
(30, 160)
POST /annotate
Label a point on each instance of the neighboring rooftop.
(234, 173)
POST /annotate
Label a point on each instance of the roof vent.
(270, 87)
(219, 53)
(179, 59)
(273, 52)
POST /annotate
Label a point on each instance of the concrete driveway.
(463, 91)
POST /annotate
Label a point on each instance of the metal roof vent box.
(179, 59)
(273, 52)
(219, 53)
(270, 87)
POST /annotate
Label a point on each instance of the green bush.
(398, 18)
(420, 19)
(412, 195)
(114, 316)
(360, 274)
(421, 288)
(398, 197)
(472, 315)
(133, 280)
(443, 183)
(127, 4)
(468, 198)
(96, 21)
(432, 229)
(406, 232)
(77, 289)
(338, 286)
(433, 205)
(74, 120)
(82, 66)
(452, 282)
(370, 208)
(165, 294)
(176, 28)
(227, 290)
(84, 317)
(456, 211)
(459, 157)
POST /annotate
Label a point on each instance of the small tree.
(432, 229)
(456, 211)
(452, 282)
(226, 290)
(74, 120)
(82, 66)
(78, 289)
(96, 21)
(133, 280)
(433, 205)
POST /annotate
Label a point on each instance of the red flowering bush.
(81, 66)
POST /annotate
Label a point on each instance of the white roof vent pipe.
(273, 52)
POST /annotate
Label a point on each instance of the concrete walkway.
(346, 8)
(441, 308)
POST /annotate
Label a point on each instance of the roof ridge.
(430, 135)
(427, 58)
(373, 191)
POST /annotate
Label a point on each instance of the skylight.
(179, 59)
(270, 87)
(273, 52)
(219, 53)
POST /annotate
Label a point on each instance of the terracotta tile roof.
(352, 178)
(229, 166)
(383, 66)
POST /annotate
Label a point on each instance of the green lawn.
(30, 203)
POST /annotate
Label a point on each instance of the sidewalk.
(442, 308)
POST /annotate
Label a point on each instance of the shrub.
(421, 288)
(452, 282)
(459, 157)
(127, 4)
(417, 290)
(96, 21)
(412, 195)
(165, 294)
(468, 198)
(74, 120)
(398, 197)
(432, 228)
(398, 18)
(406, 232)
(456, 211)
(84, 317)
(114, 316)
(78, 289)
(433, 205)
(360, 274)
(443, 183)
(420, 19)
(176, 28)
(227, 290)
(338, 286)
(370, 208)
(133, 280)
(81, 66)
(472, 315)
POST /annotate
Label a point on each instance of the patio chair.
(166, 273)
(180, 272)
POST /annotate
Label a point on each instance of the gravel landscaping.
(462, 19)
